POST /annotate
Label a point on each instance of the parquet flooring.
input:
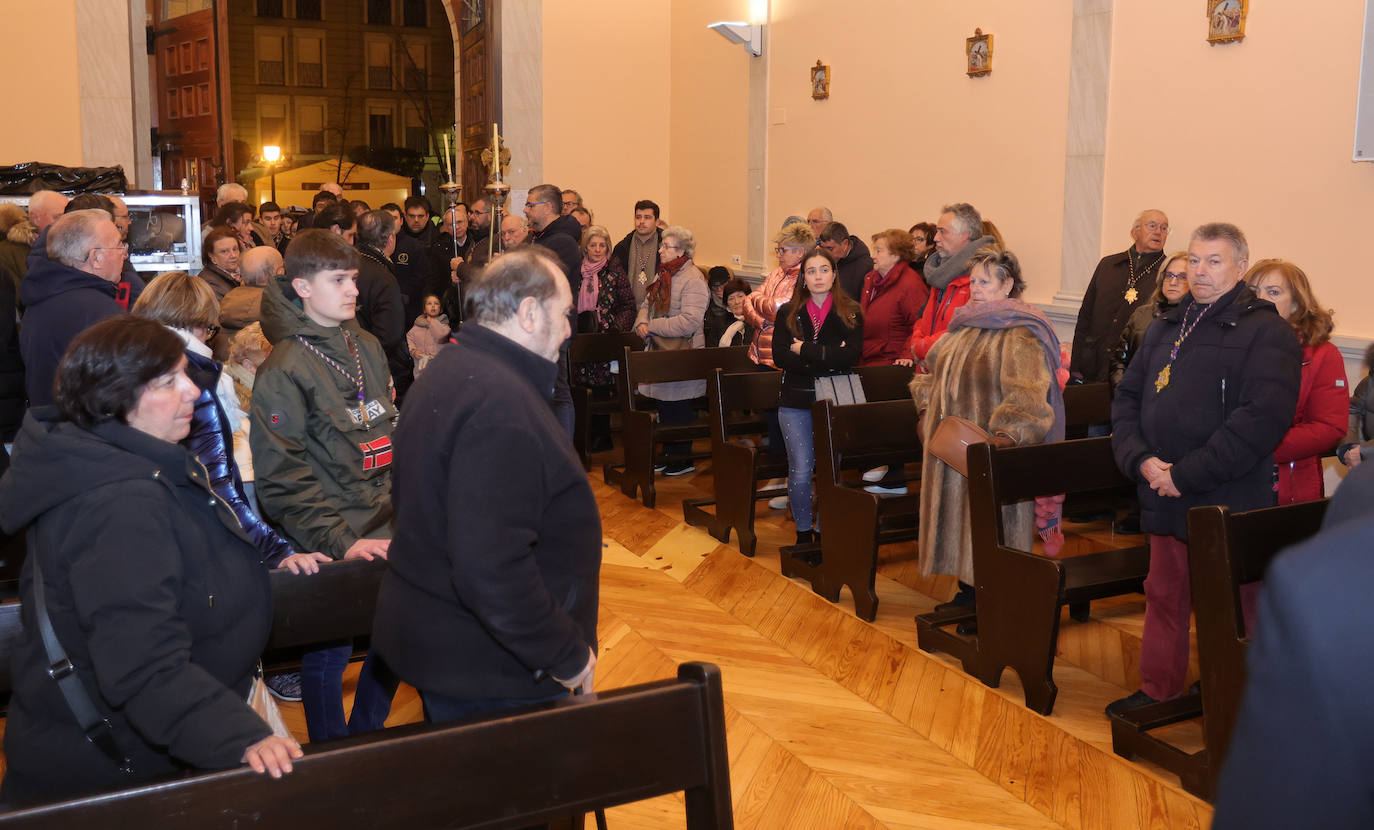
(837, 723)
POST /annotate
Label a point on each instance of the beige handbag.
(951, 439)
(261, 702)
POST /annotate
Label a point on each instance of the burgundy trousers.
(1168, 607)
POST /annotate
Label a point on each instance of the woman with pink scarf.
(604, 303)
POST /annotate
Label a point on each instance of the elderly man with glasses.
(1121, 283)
(71, 288)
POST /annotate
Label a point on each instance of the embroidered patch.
(376, 454)
(375, 410)
(403, 259)
(276, 418)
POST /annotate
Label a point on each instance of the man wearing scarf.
(958, 236)
(1121, 283)
(638, 251)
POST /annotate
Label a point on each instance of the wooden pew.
(595, 348)
(1020, 593)
(736, 469)
(338, 603)
(1085, 405)
(1225, 551)
(640, 430)
(508, 770)
(853, 521)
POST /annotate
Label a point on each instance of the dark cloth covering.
(1230, 399)
(160, 602)
(716, 320)
(59, 302)
(833, 351)
(851, 270)
(13, 397)
(381, 313)
(493, 584)
(563, 237)
(1303, 743)
(411, 267)
(1105, 311)
(1131, 335)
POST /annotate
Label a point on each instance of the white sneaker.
(778, 503)
(886, 491)
(774, 482)
(876, 474)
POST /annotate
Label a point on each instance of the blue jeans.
(439, 708)
(801, 462)
(322, 693)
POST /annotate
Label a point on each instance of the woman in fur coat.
(997, 366)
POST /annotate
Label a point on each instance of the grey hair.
(506, 282)
(375, 227)
(592, 232)
(967, 217)
(825, 212)
(231, 192)
(1213, 231)
(686, 241)
(74, 235)
(1002, 265)
(792, 220)
(259, 264)
(1140, 218)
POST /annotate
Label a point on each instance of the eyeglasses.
(1156, 226)
(123, 246)
(1170, 276)
(478, 212)
(571, 204)
(529, 205)
(780, 250)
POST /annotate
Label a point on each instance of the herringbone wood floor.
(837, 723)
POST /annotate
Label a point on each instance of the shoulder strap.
(98, 730)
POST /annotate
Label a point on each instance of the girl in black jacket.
(823, 335)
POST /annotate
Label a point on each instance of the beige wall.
(906, 130)
(1259, 134)
(606, 104)
(42, 73)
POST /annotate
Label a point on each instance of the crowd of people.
(359, 383)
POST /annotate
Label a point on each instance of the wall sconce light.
(740, 32)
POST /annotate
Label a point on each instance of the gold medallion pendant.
(1131, 294)
(1163, 380)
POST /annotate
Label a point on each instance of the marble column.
(105, 55)
(1085, 156)
(759, 245)
(522, 91)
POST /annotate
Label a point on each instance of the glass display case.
(164, 230)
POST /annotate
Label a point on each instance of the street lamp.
(271, 154)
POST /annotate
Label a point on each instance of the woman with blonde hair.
(761, 310)
(1323, 402)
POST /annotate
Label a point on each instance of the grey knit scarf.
(941, 270)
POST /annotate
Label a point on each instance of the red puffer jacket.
(892, 308)
(935, 319)
(1318, 426)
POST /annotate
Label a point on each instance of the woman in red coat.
(1323, 399)
(892, 298)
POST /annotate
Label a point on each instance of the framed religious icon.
(979, 51)
(1226, 20)
(820, 81)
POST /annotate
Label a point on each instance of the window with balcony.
(379, 131)
(309, 60)
(271, 122)
(310, 119)
(415, 74)
(378, 64)
(270, 8)
(271, 59)
(417, 138)
(379, 12)
(310, 9)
